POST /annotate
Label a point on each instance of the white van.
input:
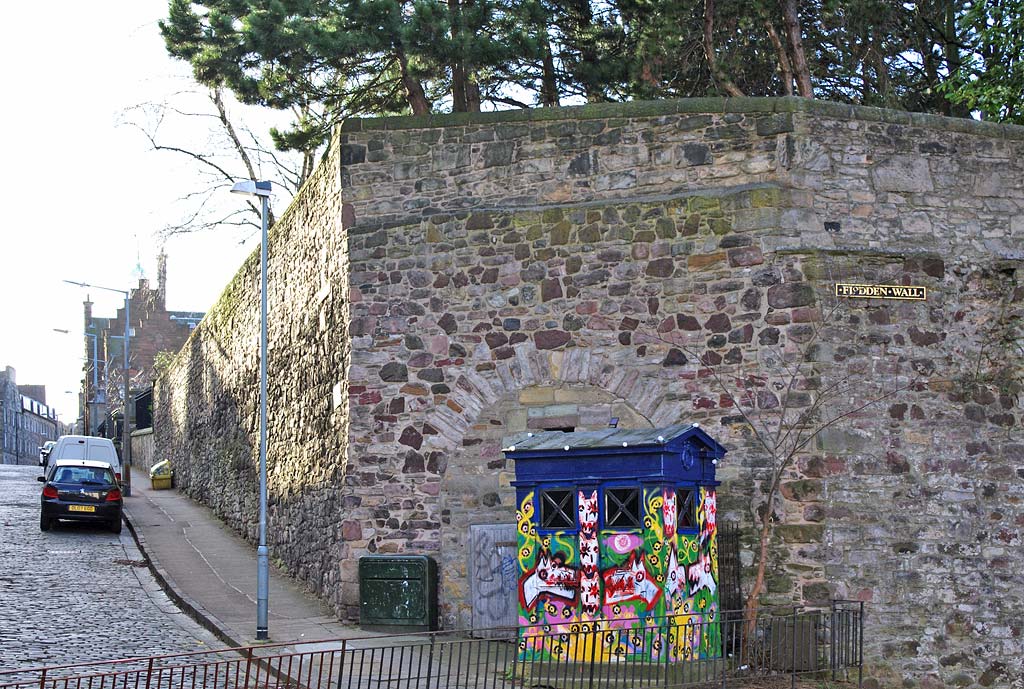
(85, 447)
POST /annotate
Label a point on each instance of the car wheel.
(115, 525)
(44, 523)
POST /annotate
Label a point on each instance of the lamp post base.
(262, 591)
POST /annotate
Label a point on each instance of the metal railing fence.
(714, 650)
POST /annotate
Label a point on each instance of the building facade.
(444, 283)
(27, 422)
(153, 330)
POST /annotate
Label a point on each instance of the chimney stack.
(161, 278)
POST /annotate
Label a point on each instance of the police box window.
(556, 509)
(686, 505)
(622, 508)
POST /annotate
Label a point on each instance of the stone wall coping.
(142, 432)
(635, 109)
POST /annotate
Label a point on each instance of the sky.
(85, 195)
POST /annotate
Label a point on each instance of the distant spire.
(138, 273)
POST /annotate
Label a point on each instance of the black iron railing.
(724, 650)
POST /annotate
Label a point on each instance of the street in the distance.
(78, 593)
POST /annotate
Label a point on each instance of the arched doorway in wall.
(478, 585)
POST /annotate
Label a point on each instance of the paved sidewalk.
(211, 572)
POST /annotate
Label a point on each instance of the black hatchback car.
(81, 490)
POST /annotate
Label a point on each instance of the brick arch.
(536, 390)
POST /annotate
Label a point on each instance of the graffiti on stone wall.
(593, 579)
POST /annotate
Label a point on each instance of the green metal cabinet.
(398, 591)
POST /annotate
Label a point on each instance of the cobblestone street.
(77, 593)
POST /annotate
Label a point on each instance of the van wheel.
(44, 523)
(115, 525)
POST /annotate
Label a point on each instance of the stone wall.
(207, 402)
(555, 268)
(144, 450)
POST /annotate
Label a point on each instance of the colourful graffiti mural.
(591, 579)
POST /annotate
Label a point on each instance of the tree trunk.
(865, 71)
(415, 95)
(458, 88)
(753, 602)
(472, 96)
(308, 164)
(582, 15)
(719, 75)
(882, 74)
(796, 45)
(548, 80)
(952, 54)
(785, 68)
(465, 91)
(459, 101)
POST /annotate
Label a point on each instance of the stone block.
(537, 395)
(787, 295)
(800, 533)
(701, 261)
(902, 173)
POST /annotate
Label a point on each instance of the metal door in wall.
(493, 577)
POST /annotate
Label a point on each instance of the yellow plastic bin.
(161, 475)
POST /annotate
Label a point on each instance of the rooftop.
(607, 438)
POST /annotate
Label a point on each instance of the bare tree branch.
(233, 151)
(717, 72)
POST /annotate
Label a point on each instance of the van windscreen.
(73, 451)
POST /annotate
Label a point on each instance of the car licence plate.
(81, 508)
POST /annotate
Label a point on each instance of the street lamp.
(251, 187)
(126, 434)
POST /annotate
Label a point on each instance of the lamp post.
(251, 187)
(126, 433)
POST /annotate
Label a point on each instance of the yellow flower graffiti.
(525, 518)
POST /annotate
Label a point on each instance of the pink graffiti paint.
(623, 543)
(709, 508)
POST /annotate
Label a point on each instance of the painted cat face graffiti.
(551, 577)
(631, 581)
(588, 511)
(708, 514)
(700, 576)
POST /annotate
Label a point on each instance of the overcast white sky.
(83, 192)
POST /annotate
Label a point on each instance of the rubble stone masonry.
(443, 282)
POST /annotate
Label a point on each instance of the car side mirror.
(41, 479)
